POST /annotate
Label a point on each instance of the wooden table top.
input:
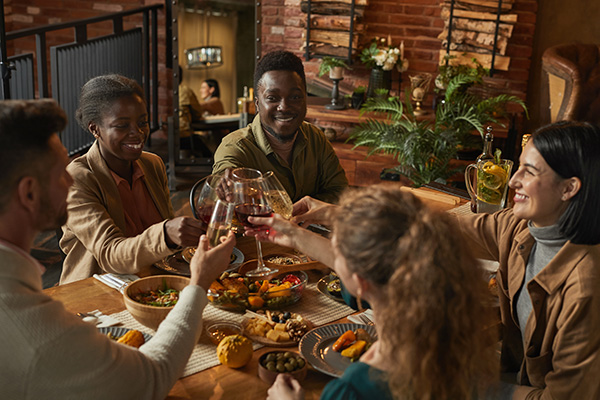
(219, 382)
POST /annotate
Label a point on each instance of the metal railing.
(149, 59)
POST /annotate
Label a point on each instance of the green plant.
(423, 149)
(465, 109)
(328, 63)
(448, 71)
(359, 90)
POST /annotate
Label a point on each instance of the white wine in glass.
(220, 222)
(277, 197)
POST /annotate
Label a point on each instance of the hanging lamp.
(207, 56)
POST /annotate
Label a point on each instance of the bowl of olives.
(274, 363)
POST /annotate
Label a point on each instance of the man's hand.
(208, 264)
(183, 231)
(308, 210)
(285, 388)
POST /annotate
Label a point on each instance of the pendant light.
(207, 56)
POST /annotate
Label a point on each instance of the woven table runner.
(465, 209)
(313, 305)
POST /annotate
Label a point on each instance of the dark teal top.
(351, 300)
(360, 381)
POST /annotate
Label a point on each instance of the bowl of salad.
(236, 292)
(150, 299)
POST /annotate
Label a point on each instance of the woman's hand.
(285, 388)
(208, 264)
(308, 210)
(183, 231)
(273, 229)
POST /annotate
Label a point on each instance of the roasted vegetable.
(344, 341)
(133, 338)
(355, 350)
(361, 334)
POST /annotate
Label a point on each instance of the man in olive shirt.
(279, 140)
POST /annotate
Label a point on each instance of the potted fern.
(334, 66)
(424, 149)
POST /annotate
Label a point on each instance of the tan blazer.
(559, 357)
(94, 238)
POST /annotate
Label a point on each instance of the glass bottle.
(487, 154)
(488, 139)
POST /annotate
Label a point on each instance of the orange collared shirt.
(138, 206)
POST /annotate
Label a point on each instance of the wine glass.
(203, 205)
(251, 201)
(220, 222)
(277, 196)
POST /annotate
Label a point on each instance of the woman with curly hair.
(431, 311)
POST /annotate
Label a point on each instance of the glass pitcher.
(491, 184)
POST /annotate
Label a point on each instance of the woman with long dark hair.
(549, 264)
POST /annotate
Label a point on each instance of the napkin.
(116, 281)
(103, 320)
(355, 318)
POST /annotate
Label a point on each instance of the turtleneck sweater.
(548, 241)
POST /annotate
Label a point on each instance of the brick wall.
(34, 13)
(417, 23)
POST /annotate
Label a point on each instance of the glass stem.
(259, 255)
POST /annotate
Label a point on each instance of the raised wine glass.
(203, 204)
(251, 201)
(276, 195)
(220, 222)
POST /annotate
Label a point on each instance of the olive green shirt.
(315, 169)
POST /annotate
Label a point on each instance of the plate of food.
(275, 328)
(330, 349)
(179, 263)
(122, 335)
(331, 287)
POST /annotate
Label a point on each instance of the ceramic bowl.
(147, 315)
(269, 375)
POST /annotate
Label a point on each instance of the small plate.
(118, 331)
(177, 264)
(322, 287)
(269, 342)
(315, 347)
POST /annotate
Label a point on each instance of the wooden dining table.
(219, 382)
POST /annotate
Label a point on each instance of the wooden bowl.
(269, 376)
(147, 315)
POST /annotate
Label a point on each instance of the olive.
(289, 367)
(275, 318)
(300, 362)
(281, 367)
(252, 288)
(272, 367)
(270, 357)
(287, 354)
(287, 315)
(293, 362)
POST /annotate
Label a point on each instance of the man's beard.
(50, 219)
(278, 137)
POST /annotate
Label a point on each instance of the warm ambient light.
(204, 57)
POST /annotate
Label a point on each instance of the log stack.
(330, 26)
(473, 31)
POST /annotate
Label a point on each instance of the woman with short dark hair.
(549, 272)
(120, 213)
